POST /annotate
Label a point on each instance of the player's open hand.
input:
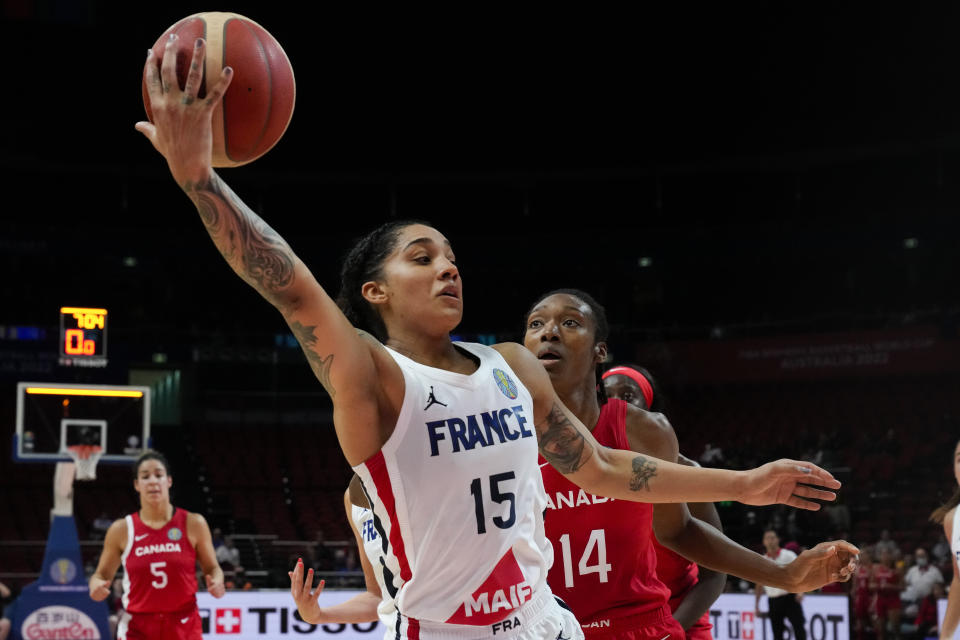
(834, 561)
(99, 588)
(307, 600)
(215, 587)
(789, 482)
(181, 129)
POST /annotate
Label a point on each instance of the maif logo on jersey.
(174, 534)
(506, 384)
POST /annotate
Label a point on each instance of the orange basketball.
(258, 104)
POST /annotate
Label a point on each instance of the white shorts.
(542, 618)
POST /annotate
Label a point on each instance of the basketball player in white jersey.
(444, 437)
(949, 516)
(369, 605)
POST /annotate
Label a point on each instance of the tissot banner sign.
(734, 618)
(272, 614)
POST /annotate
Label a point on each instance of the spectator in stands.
(100, 525)
(920, 581)
(887, 582)
(228, 554)
(238, 581)
(7, 604)
(886, 543)
(712, 456)
(217, 538)
(321, 557)
(941, 553)
(926, 622)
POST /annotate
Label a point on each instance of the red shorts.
(182, 625)
(653, 625)
(701, 629)
(863, 605)
(887, 602)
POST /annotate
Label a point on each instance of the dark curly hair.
(601, 328)
(363, 263)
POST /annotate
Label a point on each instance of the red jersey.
(604, 562)
(861, 582)
(886, 579)
(159, 566)
(675, 571)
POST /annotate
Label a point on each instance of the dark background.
(770, 163)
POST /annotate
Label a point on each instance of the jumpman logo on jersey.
(432, 400)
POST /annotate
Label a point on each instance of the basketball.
(258, 105)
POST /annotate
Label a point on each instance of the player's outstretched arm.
(572, 450)
(113, 544)
(710, 583)
(182, 133)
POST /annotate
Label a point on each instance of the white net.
(86, 458)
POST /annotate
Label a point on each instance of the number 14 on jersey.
(598, 542)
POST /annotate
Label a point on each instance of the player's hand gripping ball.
(258, 104)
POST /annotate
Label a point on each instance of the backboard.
(53, 416)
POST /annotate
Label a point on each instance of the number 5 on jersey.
(596, 541)
(156, 568)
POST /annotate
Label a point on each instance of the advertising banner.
(272, 614)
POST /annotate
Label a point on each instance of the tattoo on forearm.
(255, 251)
(561, 444)
(321, 365)
(643, 471)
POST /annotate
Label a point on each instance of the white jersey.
(363, 521)
(458, 499)
(784, 556)
(955, 538)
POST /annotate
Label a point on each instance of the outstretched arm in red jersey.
(710, 583)
(199, 533)
(652, 434)
(625, 475)
(113, 545)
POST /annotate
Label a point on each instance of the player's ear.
(600, 352)
(373, 292)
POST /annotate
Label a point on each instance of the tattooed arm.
(571, 449)
(351, 367)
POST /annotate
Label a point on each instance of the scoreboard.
(83, 337)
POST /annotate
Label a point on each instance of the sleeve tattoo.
(643, 471)
(561, 444)
(257, 254)
(321, 365)
(255, 251)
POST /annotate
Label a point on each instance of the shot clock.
(83, 337)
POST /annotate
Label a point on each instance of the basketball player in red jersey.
(159, 547)
(692, 588)
(605, 562)
(887, 581)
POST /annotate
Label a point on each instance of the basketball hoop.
(85, 456)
